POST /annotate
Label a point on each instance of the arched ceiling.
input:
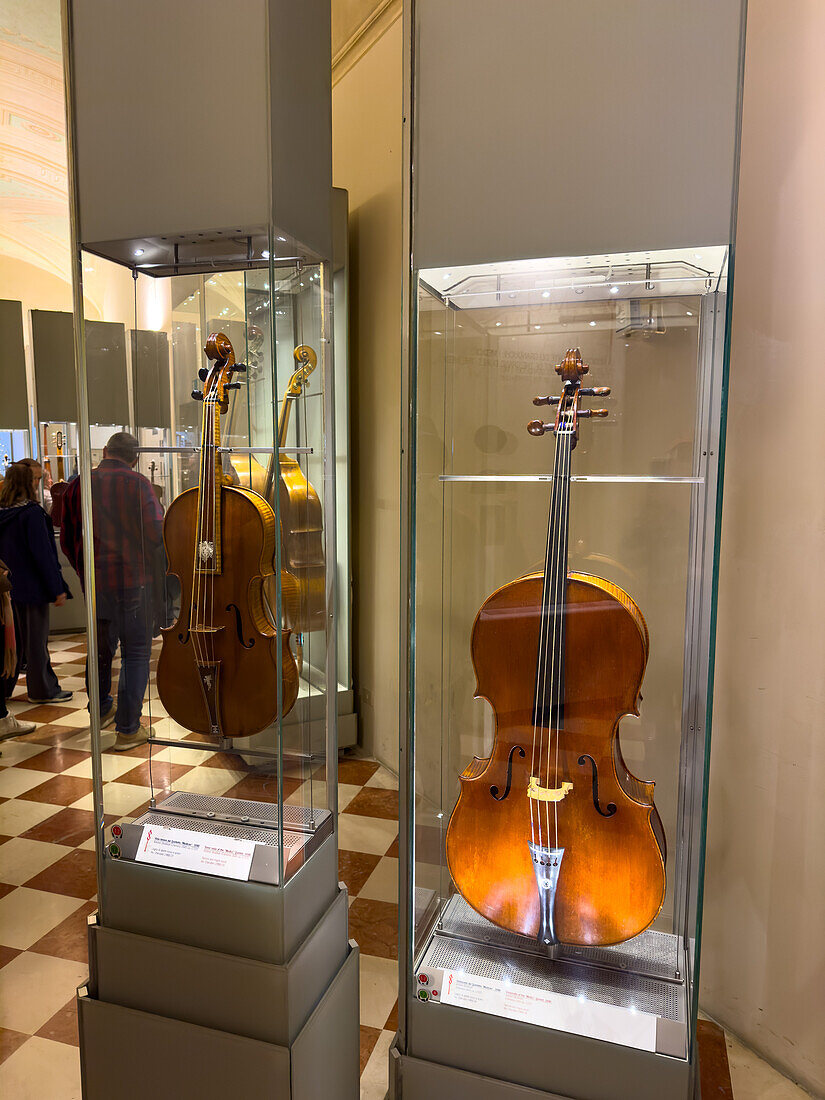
(34, 226)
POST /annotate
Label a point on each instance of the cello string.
(547, 715)
(539, 715)
(563, 571)
(558, 486)
(541, 658)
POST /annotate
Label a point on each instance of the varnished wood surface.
(248, 685)
(612, 879)
(714, 1070)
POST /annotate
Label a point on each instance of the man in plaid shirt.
(128, 533)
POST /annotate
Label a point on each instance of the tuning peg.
(538, 427)
(197, 395)
(595, 391)
(546, 400)
(587, 413)
(232, 386)
(239, 366)
(203, 374)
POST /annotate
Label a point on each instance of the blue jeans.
(124, 616)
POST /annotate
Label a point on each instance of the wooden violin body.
(218, 667)
(611, 879)
(552, 836)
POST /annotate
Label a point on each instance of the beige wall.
(366, 120)
(763, 968)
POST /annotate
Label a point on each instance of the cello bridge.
(547, 794)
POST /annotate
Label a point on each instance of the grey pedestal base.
(127, 1054)
(453, 1053)
(207, 987)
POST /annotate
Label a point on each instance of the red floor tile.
(75, 874)
(369, 1037)
(61, 790)
(9, 1042)
(163, 774)
(54, 760)
(69, 827)
(392, 1019)
(356, 771)
(45, 712)
(374, 926)
(374, 802)
(6, 888)
(51, 734)
(7, 954)
(354, 868)
(62, 1027)
(261, 788)
(69, 939)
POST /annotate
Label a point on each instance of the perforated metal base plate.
(304, 829)
(240, 811)
(652, 954)
(639, 976)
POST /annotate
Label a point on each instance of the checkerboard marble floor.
(48, 885)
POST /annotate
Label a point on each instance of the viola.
(303, 573)
(218, 667)
(552, 836)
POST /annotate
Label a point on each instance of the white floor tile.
(22, 859)
(384, 779)
(753, 1079)
(382, 885)
(379, 989)
(18, 816)
(365, 834)
(15, 752)
(15, 781)
(35, 987)
(375, 1078)
(27, 915)
(41, 1070)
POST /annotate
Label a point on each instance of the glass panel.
(211, 565)
(552, 880)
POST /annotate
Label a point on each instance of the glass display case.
(565, 435)
(213, 529)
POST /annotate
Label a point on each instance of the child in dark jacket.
(28, 548)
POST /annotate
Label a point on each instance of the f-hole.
(184, 638)
(238, 624)
(494, 789)
(611, 806)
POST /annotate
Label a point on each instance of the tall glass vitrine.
(566, 435)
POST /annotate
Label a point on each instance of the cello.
(218, 667)
(552, 836)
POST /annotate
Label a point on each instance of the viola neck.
(208, 545)
(283, 418)
(549, 695)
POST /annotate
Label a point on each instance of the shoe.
(130, 740)
(10, 727)
(107, 717)
(61, 697)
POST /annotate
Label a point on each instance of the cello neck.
(548, 710)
